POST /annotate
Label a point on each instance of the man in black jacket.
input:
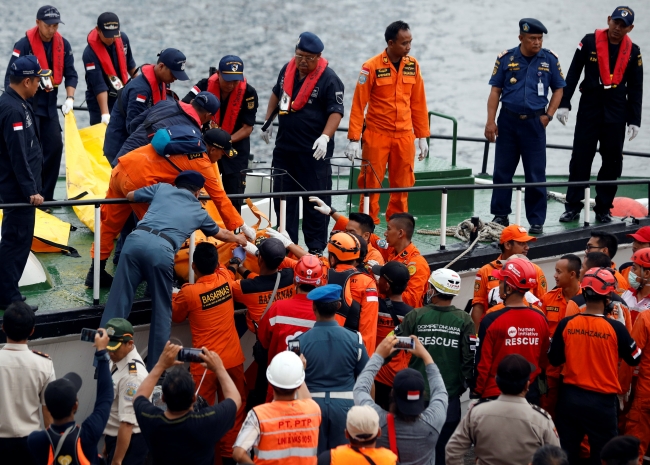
(612, 91)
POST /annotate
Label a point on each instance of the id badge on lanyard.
(540, 89)
(284, 103)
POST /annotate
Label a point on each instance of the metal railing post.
(366, 204)
(191, 257)
(97, 258)
(455, 133)
(518, 206)
(486, 153)
(443, 219)
(283, 215)
(587, 213)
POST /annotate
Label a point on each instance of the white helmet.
(286, 371)
(445, 281)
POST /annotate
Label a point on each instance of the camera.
(88, 335)
(405, 343)
(189, 355)
(294, 346)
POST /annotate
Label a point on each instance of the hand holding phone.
(294, 346)
(88, 335)
(189, 355)
(404, 343)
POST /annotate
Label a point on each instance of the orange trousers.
(211, 390)
(399, 154)
(114, 216)
(638, 423)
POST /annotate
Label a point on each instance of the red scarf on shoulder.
(58, 53)
(234, 103)
(310, 82)
(602, 52)
(157, 94)
(105, 61)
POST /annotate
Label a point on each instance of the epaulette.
(480, 401)
(541, 410)
(551, 52)
(42, 354)
(132, 368)
(504, 53)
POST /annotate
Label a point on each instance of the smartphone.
(405, 343)
(294, 346)
(88, 335)
(190, 355)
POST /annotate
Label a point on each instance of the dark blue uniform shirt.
(44, 103)
(96, 79)
(21, 159)
(518, 78)
(298, 130)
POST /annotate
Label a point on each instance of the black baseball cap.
(272, 252)
(396, 273)
(621, 448)
(49, 15)
(515, 367)
(624, 13)
(217, 137)
(109, 24)
(408, 387)
(231, 68)
(175, 61)
(61, 395)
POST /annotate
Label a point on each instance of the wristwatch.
(235, 261)
(550, 118)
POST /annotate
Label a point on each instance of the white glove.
(353, 150)
(249, 232)
(67, 105)
(251, 249)
(266, 135)
(562, 115)
(175, 290)
(282, 237)
(106, 118)
(424, 148)
(632, 131)
(321, 146)
(321, 206)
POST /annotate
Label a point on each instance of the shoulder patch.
(502, 54)
(42, 354)
(541, 410)
(552, 52)
(194, 156)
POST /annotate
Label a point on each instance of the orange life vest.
(288, 432)
(310, 82)
(71, 449)
(105, 61)
(608, 78)
(234, 103)
(345, 455)
(158, 93)
(58, 53)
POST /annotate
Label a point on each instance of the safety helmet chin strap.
(506, 294)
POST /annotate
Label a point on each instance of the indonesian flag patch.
(141, 98)
(16, 53)
(635, 354)
(371, 295)
(90, 66)
(580, 46)
(18, 126)
(413, 395)
(195, 90)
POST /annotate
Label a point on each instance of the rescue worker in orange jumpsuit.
(360, 308)
(148, 165)
(637, 298)
(641, 240)
(391, 87)
(208, 304)
(514, 239)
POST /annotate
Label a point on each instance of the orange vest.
(288, 432)
(345, 455)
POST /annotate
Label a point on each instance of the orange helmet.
(642, 258)
(344, 246)
(518, 273)
(308, 270)
(599, 280)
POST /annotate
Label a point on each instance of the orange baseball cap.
(514, 232)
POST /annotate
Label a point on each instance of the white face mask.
(632, 280)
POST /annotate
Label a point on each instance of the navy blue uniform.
(47, 117)
(521, 133)
(602, 116)
(21, 161)
(97, 80)
(136, 97)
(233, 181)
(293, 152)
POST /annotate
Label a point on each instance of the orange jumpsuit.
(396, 115)
(144, 167)
(418, 269)
(209, 306)
(622, 284)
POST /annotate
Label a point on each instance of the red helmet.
(308, 270)
(599, 280)
(642, 258)
(518, 273)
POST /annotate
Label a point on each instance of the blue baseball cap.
(190, 177)
(231, 68)
(28, 66)
(175, 61)
(532, 26)
(175, 140)
(326, 294)
(625, 13)
(310, 43)
(208, 101)
(49, 15)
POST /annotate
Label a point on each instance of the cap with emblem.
(531, 26)
(61, 395)
(621, 448)
(208, 102)
(396, 273)
(514, 232)
(362, 423)
(408, 387)
(231, 68)
(175, 61)
(28, 66)
(310, 43)
(109, 24)
(625, 13)
(217, 137)
(191, 177)
(119, 330)
(326, 294)
(272, 252)
(49, 15)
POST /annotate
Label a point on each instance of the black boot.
(105, 279)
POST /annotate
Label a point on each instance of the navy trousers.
(334, 413)
(17, 235)
(525, 139)
(150, 258)
(52, 146)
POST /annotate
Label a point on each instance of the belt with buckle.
(155, 232)
(527, 115)
(333, 395)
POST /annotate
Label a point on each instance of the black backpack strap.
(391, 310)
(172, 163)
(370, 461)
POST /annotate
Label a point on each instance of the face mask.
(631, 279)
